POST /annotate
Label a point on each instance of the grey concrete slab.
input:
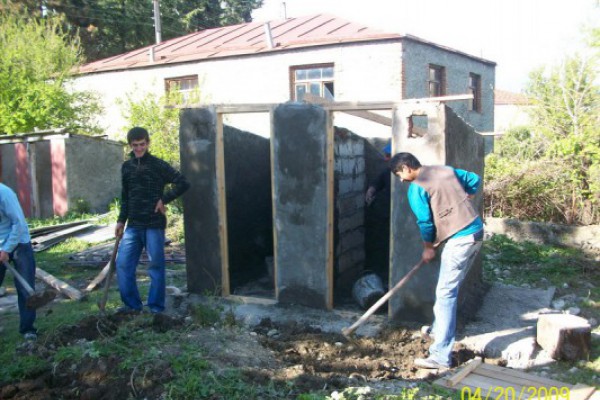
(504, 326)
(197, 139)
(301, 204)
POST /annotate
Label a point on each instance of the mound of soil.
(269, 352)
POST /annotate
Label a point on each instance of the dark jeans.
(24, 262)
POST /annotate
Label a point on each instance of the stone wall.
(585, 238)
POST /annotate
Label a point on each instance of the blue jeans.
(133, 242)
(24, 262)
(457, 257)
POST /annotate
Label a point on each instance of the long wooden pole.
(348, 331)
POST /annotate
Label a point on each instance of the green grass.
(527, 262)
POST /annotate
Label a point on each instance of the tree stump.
(564, 336)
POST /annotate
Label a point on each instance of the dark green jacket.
(143, 183)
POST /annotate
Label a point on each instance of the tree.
(551, 171)
(37, 58)
(161, 121)
(110, 27)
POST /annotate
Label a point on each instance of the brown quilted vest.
(451, 208)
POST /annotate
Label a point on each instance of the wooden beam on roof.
(333, 106)
(371, 116)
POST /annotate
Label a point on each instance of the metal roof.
(243, 39)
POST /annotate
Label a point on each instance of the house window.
(185, 86)
(315, 79)
(475, 89)
(437, 81)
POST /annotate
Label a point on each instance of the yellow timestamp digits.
(512, 393)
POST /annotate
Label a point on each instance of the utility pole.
(157, 29)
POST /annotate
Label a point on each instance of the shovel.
(35, 299)
(109, 275)
(348, 331)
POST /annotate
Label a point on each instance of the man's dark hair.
(402, 159)
(137, 133)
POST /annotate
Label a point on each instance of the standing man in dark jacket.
(439, 196)
(143, 200)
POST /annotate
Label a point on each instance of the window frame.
(185, 92)
(323, 81)
(474, 85)
(441, 83)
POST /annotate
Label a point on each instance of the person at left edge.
(143, 199)
(15, 247)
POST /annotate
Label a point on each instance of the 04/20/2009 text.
(515, 393)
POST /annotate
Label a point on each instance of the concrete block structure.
(54, 172)
(317, 176)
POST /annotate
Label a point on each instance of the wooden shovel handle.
(382, 300)
(21, 280)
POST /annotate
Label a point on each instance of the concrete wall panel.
(197, 135)
(93, 171)
(301, 204)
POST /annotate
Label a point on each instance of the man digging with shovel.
(439, 196)
(15, 247)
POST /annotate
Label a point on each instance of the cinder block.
(564, 336)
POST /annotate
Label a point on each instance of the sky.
(518, 35)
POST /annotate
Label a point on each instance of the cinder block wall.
(349, 217)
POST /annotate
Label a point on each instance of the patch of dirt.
(269, 352)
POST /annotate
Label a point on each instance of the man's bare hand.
(119, 229)
(370, 195)
(3, 256)
(428, 252)
(160, 207)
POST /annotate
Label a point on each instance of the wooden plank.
(252, 300)
(59, 285)
(273, 203)
(512, 373)
(466, 370)
(330, 173)
(522, 379)
(490, 388)
(222, 206)
(581, 392)
(371, 116)
(334, 106)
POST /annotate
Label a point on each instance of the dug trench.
(293, 355)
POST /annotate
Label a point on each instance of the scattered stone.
(2, 291)
(573, 370)
(188, 320)
(558, 304)
(497, 271)
(526, 286)
(593, 322)
(174, 291)
(564, 336)
(253, 333)
(338, 344)
(506, 273)
(273, 332)
(565, 285)
(573, 310)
